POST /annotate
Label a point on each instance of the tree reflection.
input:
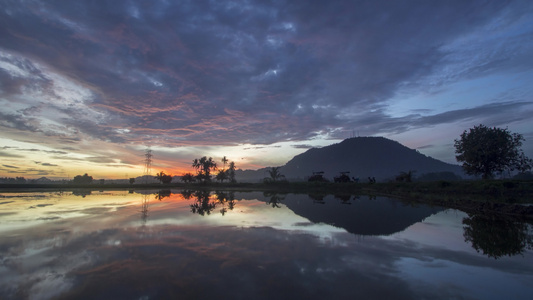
(497, 236)
(275, 199)
(345, 198)
(224, 198)
(81, 193)
(163, 194)
(187, 194)
(205, 205)
(317, 198)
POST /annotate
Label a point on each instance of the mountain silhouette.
(363, 157)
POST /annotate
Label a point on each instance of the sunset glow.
(87, 87)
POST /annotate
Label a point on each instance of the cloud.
(45, 164)
(219, 74)
(11, 167)
(6, 154)
(302, 146)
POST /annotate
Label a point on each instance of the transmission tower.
(148, 162)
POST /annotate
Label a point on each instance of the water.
(198, 245)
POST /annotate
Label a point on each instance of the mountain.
(363, 157)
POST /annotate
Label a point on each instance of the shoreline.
(494, 197)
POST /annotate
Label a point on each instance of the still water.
(205, 245)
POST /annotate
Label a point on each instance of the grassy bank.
(494, 196)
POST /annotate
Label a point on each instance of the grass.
(494, 196)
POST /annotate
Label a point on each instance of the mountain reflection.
(497, 236)
(364, 216)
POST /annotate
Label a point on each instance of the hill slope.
(362, 156)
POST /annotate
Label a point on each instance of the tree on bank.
(85, 179)
(485, 151)
(275, 175)
(163, 178)
(231, 172)
(188, 178)
(203, 168)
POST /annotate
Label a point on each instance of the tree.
(163, 178)
(203, 167)
(85, 179)
(221, 175)
(188, 178)
(224, 161)
(485, 151)
(231, 172)
(274, 174)
(132, 180)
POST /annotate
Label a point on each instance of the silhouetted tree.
(203, 167)
(163, 178)
(343, 177)
(274, 175)
(132, 180)
(317, 177)
(224, 162)
(221, 175)
(231, 172)
(188, 178)
(484, 151)
(85, 179)
(405, 176)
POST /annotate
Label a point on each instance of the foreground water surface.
(196, 245)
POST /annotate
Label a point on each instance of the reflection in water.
(274, 199)
(317, 197)
(368, 216)
(161, 194)
(224, 198)
(274, 246)
(345, 198)
(82, 193)
(204, 204)
(497, 236)
(145, 201)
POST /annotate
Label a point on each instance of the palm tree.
(203, 167)
(187, 177)
(231, 172)
(275, 175)
(224, 161)
(221, 175)
(163, 178)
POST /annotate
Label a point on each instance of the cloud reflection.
(102, 254)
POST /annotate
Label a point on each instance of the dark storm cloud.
(205, 72)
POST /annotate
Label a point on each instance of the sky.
(88, 86)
